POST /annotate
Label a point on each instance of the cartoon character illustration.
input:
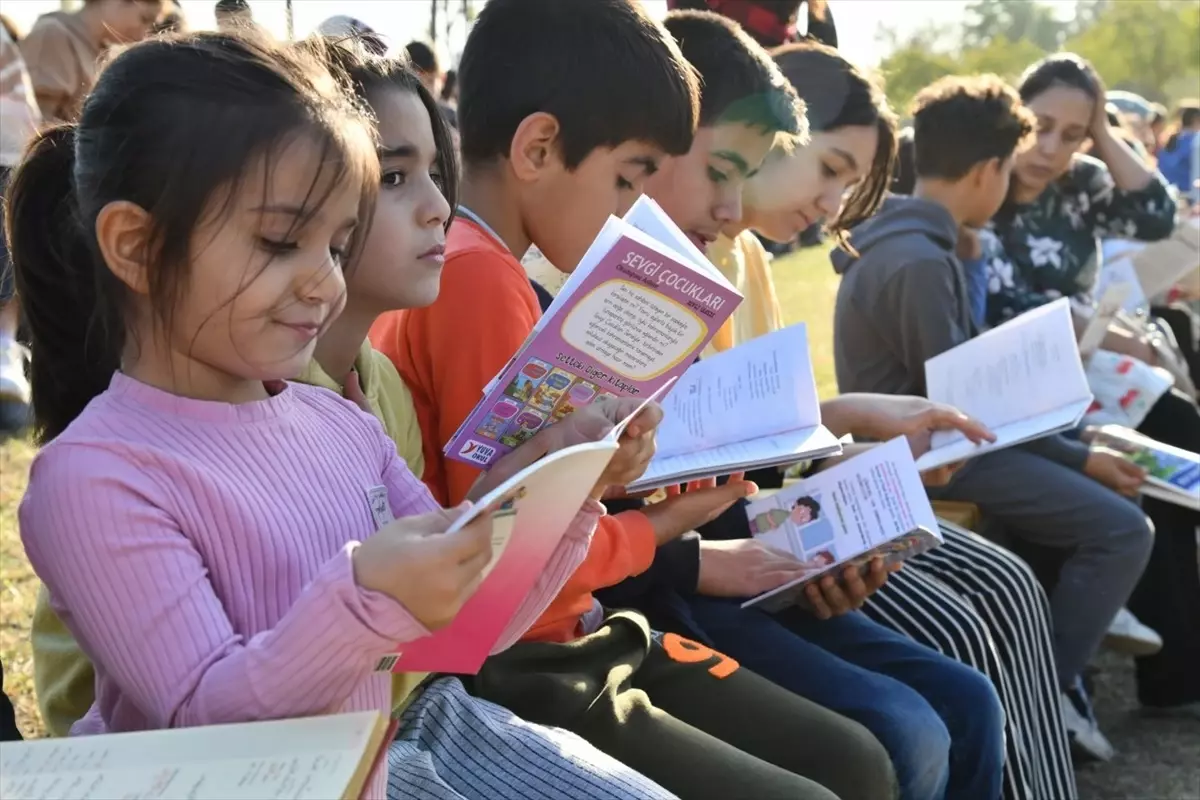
(523, 428)
(580, 394)
(550, 390)
(804, 511)
(501, 415)
(522, 386)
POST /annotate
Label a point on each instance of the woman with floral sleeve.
(1061, 201)
(1042, 245)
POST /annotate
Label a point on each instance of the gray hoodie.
(902, 301)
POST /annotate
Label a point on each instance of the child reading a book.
(547, 159)
(902, 301)
(804, 511)
(214, 276)
(409, 218)
(966, 592)
(935, 708)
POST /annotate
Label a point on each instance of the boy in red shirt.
(565, 135)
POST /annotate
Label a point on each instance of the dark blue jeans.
(941, 721)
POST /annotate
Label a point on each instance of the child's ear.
(535, 146)
(122, 231)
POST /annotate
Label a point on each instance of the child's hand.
(883, 417)
(1114, 471)
(831, 598)
(593, 422)
(744, 568)
(940, 476)
(702, 503)
(430, 572)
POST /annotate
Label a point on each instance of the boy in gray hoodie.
(903, 299)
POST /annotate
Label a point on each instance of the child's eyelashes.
(716, 176)
(276, 247)
(828, 171)
(624, 185)
(393, 179)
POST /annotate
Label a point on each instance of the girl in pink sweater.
(207, 530)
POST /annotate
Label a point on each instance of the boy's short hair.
(959, 122)
(421, 57)
(603, 68)
(739, 79)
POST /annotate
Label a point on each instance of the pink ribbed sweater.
(201, 554)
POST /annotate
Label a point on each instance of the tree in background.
(1151, 47)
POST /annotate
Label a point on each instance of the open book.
(1152, 267)
(530, 513)
(752, 406)
(633, 315)
(872, 505)
(290, 759)
(1023, 379)
(1173, 474)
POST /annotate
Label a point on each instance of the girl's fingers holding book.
(944, 418)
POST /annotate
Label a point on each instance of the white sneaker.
(14, 387)
(1128, 635)
(1087, 741)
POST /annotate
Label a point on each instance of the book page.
(762, 387)
(315, 757)
(1025, 368)
(536, 508)
(777, 450)
(851, 508)
(1121, 272)
(1161, 265)
(1174, 471)
(1111, 301)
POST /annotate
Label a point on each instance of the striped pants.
(452, 746)
(979, 604)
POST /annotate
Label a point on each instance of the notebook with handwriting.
(312, 758)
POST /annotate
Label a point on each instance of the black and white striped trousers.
(981, 605)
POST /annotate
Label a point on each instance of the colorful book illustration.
(311, 758)
(633, 315)
(872, 505)
(1173, 474)
(752, 406)
(1023, 379)
(530, 513)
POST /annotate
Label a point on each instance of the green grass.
(807, 288)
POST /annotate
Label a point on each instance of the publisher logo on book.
(477, 452)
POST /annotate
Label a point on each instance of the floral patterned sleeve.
(1146, 214)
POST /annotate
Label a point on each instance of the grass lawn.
(1157, 760)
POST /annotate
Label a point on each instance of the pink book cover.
(531, 512)
(636, 321)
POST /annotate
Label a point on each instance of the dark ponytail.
(66, 294)
(173, 126)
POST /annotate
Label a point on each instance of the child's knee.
(866, 771)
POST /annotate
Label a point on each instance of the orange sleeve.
(484, 312)
(622, 546)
